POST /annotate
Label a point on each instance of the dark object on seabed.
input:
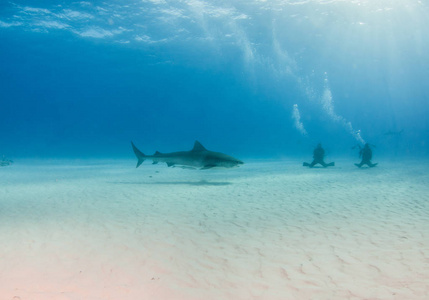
(318, 156)
(366, 154)
(5, 162)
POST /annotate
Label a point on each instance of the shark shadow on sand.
(193, 183)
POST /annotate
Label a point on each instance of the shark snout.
(238, 163)
(231, 163)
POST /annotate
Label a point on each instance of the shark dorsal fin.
(198, 147)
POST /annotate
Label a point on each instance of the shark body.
(198, 158)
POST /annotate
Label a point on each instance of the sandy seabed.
(267, 230)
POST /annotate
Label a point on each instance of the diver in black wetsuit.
(366, 154)
(318, 155)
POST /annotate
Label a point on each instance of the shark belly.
(179, 159)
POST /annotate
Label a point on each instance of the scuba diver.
(318, 155)
(366, 154)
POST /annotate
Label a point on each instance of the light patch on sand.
(267, 230)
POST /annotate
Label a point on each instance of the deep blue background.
(224, 73)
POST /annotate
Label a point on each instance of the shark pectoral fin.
(187, 168)
(305, 164)
(170, 164)
(208, 167)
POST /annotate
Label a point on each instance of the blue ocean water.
(262, 80)
(255, 79)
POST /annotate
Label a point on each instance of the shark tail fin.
(140, 156)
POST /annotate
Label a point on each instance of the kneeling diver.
(366, 154)
(318, 155)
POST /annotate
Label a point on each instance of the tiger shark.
(198, 158)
